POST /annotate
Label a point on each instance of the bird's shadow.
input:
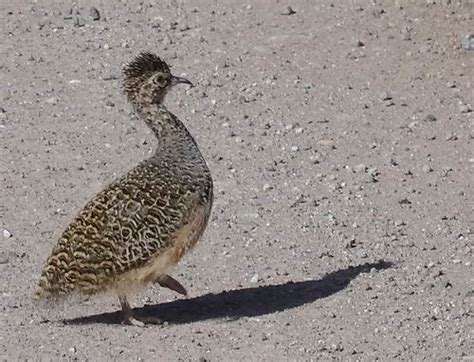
(248, 302)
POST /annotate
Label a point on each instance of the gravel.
(345, 236)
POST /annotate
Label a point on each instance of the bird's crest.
(144, 65)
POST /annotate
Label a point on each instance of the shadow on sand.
(249, 302)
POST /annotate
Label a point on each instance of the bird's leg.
(129, 317)
(127, 313)
(168, 282)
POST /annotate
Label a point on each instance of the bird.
(139, 226)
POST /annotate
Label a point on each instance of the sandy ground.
(340, 141)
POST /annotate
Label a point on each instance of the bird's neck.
(174, 140)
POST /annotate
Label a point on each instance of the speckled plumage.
(139, 226)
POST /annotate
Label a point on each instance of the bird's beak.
(178, 80)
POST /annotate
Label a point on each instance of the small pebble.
(78, 22)
(426, 168)
(255, 278)
(95, 15)
(4, 258)
(399, 223)
(52, 100)
(360, 168)
(468, 42)
(167, 40)
(267, 187)
(385, 96)
(373, 171)
(465, 108)
(287, 11)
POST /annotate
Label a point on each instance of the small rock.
(404, 201)
(267, 187)
(327, 143)
(426, 168)
(430, 118)
(79, 22)
(4, 258)
(468, 42)
(255, 278)
(184, 27)
(295, 148)
(52, 100)
(351, 243)
(299, 130)
(398, 223)
(94, 13)
(452, 137)
(465, 108)
(106, 46)
(360, 168)
(385, 96)
(7, 234)
(451, 85)
(167, 40)
(360, 43)
(373, 171)
(287, 11)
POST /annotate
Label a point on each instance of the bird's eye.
(159, 79)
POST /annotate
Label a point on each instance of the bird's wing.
(124, 227)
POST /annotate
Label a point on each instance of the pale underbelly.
(183, 240)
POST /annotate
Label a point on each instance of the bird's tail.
(49, 289)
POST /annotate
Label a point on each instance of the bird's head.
(148, 79)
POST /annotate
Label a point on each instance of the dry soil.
(339, 135)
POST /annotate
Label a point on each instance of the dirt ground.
(340, 139)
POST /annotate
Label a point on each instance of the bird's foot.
(140, 321)
(131, 318)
